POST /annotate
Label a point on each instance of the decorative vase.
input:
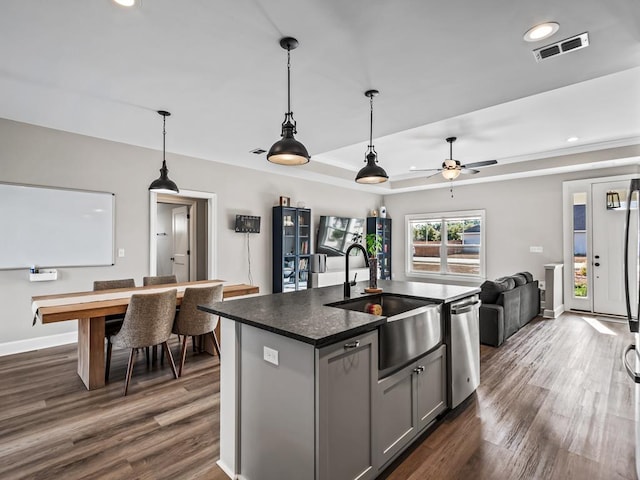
(373, 273)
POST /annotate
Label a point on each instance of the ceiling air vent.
(258, 151)
(563, 46)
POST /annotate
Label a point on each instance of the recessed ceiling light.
(572, 139)
(540, 32)
(126, 3)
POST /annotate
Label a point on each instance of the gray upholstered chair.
(112, 323)
(193, 322)
(148, 322)
(159, 280)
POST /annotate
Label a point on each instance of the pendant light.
(164, 184)
(288, 151)
(372, 172)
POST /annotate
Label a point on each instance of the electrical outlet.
(541, 284)
(270, 355)
(536, 249)
(121, 252)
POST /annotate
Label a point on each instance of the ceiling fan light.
(451, 174)
(372, 173)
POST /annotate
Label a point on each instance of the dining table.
(91, 308)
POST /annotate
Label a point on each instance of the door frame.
(568, 189)
(212, 241)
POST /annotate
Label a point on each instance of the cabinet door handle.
(350, 345)
(419, 369)
(416, 370)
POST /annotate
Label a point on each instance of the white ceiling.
(456, 68)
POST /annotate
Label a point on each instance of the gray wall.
(41, 156)
(519, 214)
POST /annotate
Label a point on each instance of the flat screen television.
(335, 234)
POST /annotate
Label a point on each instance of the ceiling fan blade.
(434, 174)
(426, 170)
(480, 164)
(469, 170)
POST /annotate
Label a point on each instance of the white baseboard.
(226, 469)
(555, 313)
(20, 346)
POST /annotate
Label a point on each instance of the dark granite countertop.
(304, 315)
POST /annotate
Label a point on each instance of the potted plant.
(374, 245)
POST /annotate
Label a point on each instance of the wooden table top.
(73, 311)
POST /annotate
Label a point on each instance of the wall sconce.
(613, 200)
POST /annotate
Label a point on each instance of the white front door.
(607, 253)
(180, 229)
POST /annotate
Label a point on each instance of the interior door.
(180, 231)
(607, 256)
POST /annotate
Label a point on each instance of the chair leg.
(107, 366)
(216, 344)
(129, 371)
(170, 357)
(183, 354)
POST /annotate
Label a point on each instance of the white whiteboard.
(52, 227)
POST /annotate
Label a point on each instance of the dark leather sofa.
(508, 304)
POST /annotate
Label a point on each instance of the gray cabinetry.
(347, 374)
(408, 401)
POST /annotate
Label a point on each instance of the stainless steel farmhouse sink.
(413, 327)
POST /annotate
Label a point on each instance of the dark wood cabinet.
(291, 248)
(382, 227)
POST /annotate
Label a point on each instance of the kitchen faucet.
(347, 282)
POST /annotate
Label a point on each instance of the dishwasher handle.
(464, 307)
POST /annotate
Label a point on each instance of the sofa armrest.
(491, 324)
(510, 300)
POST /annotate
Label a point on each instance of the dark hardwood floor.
(554, 403)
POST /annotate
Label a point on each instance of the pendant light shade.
(164, 184)
(288, 150)
(371, 172)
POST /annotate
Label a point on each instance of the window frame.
(445, 217)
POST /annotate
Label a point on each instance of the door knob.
(597, 264)
(597, 256)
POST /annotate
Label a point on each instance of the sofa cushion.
(490, 290)
(526, 275)
(519, 279)
(508, 281)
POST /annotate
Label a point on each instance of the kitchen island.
(300, 391)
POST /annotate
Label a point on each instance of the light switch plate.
(121, 252)
(270, 355)
(536, 249)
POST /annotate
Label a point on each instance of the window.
(443, 244)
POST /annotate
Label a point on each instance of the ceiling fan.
(451, 169)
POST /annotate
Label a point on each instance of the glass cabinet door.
(304, 247)
(291, 248)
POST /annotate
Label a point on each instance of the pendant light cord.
(289, 81)
(164, 138)
(371, 124)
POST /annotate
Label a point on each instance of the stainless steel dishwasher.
(465, 348)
